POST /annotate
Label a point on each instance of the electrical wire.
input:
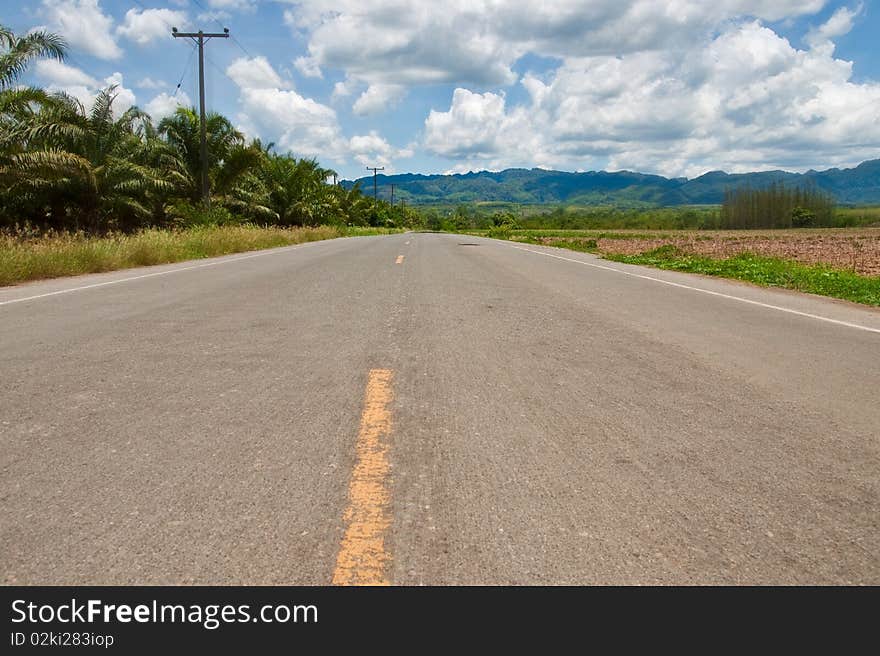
(189, 59)
(231, 36)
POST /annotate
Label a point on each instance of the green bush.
(187, 215)
(499, 232)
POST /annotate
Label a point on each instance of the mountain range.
(855, 186)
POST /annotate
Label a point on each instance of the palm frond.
(20, 51)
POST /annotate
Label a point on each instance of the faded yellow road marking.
(363, 558)
(399, 259)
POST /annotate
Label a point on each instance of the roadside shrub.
(188, 215)
(499, 232)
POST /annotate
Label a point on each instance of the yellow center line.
(399, 259)
(363, 558)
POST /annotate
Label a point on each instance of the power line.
(171, 27)
(213, 18)
(185, 70)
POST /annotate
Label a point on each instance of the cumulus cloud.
(59, 74)
(82, 86)
(166, 104)
(83, 25)
(479, 129)
(150, 83)
(340, 90)
(744, 99)
(232, 5)
(377, 98)
(308, 67)
(372, 149)
(476, 43)
(840, 23)
(298, 124)
(125, 98)
(148, 25)
(255, 73)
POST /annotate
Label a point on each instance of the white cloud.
(232, 5)
(477, 42)
(479, 128)
(373, 150)
(340, 90)
(165, 105)
(83, 25)
(298, 124)
(59, 74)
(84, 87)
(148, 25)
(125, 98)
(745, 99)
(150, 83)
(308, 67)
(255, 73)
(840, 23)
(378, 97)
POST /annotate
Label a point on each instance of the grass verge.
(24, 257)
(766, 271)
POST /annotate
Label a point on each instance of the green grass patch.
(581, 244)
(32, 257)
(766, 271)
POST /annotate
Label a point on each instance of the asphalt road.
(487, 413)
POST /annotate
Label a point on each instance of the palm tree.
(15, 55)
(233, 165)
(298, 191)
(18, 102)
(353, 207)
(19, 51)
(88, 168)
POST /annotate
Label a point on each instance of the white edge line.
(704, 291)
(215, 262)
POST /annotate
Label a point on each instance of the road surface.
(434, 409)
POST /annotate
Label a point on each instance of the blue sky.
(676, 88)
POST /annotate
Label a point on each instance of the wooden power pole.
(200, 37)
(375, 170)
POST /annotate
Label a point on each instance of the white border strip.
(704, 291)
(215, 262)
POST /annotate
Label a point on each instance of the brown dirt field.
(856, 250)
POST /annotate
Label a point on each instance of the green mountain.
(856, 186)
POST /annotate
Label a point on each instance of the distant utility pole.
(392, 194)
(375, 169)
(200, 37)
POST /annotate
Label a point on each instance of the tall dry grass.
(29, 256)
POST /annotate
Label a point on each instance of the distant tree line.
(777, 206)
(66, 166)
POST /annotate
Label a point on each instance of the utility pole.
(392, 195)
(375, 169)
(200, 37)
